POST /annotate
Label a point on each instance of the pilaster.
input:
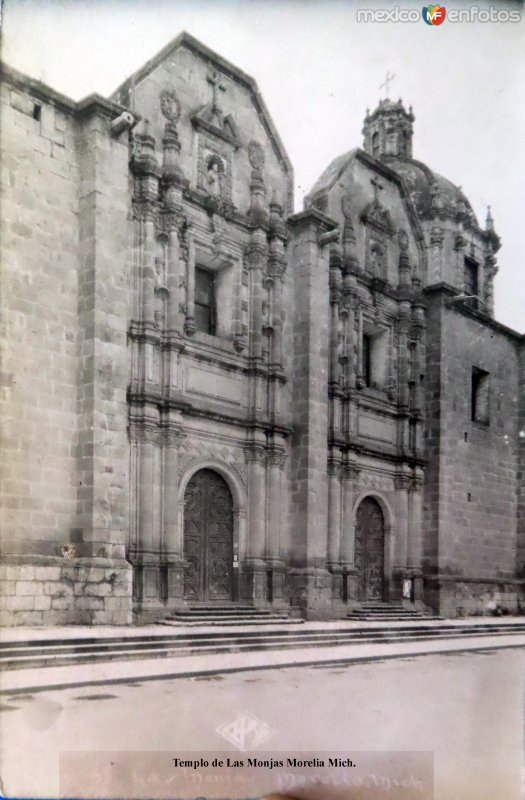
(350, 474)
(104, 211)
(254, 584)
(311, 583)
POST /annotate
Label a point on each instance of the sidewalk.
(118, 671)
(65, 632)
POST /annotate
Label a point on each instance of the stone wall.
(471, 494)
(53, 591)
(64, 480)
(39, 322)
(521, 473)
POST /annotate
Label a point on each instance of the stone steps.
(371, 611)
(226, 614)
(20, 655)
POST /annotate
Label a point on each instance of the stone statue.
(213, 179)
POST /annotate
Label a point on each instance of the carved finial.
(389, 77)
(489, 222)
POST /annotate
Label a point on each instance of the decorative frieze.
(402, 482)
(415, 484)
(255, 454)
(276, 457)
(142, 430)
(334, 467)
(173, 436)
(349, 472)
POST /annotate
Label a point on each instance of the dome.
(388, 133)
(431, 194)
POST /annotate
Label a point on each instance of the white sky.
(318, 70)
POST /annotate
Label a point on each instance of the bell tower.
(388, 130)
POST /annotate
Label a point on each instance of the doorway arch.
(208, 537)
(370, 550)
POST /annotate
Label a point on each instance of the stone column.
(277, 236)
(254, 568)
(334, 526)
(277, 322)
(173, 535)
(491, 270)
(350, 346)
(437, 237)
(360, 379)
(276, 460)
(173, 279)
(335, 384)
(459, 248)
(399, 573)
(148, 272)
(414, 535)
(350, 474)
(238, 334)
(189, 323)
(256, 260)
(404, 312)
(146, 559)
(334, 337)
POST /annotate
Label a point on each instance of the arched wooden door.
(370, 550)
(208, 537)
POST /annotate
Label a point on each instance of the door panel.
(208, 537)
(370, 550)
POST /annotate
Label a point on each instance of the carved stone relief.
(194, 450)
(370, 480)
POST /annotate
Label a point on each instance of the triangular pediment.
(211, 119)
(376, 216)
(206, 117)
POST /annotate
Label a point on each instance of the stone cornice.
(180, 403)
(447, 292)
(93, 103)
(312, 216)
(389, 454)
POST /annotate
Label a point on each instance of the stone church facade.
(210, 399)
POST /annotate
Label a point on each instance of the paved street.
(466, 708)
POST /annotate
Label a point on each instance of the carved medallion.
(170, 104)
(256, 155)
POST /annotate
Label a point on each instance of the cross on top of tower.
(214, 79)
(389, 77)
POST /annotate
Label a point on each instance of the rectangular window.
(205, 301)
(480, 396)
(471, 281)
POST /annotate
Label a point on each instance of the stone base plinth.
(311, 593)
(46, 590)
(456, 597)
(349, 585)
(254, 582)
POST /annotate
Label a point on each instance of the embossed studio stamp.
(245, 732)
